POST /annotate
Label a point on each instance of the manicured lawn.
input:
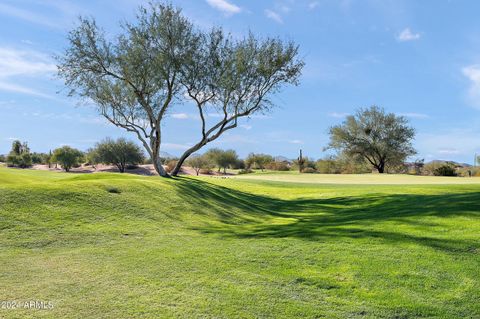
(125, 246)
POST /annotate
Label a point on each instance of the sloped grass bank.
(230, 248)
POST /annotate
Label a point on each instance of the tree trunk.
(381, 168)
(184, 156)
(157, 164)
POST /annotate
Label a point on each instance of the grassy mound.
(125, 246)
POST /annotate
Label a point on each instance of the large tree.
(163, 60)
(382, 139)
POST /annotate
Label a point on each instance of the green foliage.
(223, 159)
(278, 166)
(383, 139)
(329, 165)
(304, 163)
(67, 157)
(309, 170)
(445, 170)
(200, 162)
(159, 60)
(3, 158)
(258, 161)
(19, 155)
(245, 171)
(120, 153)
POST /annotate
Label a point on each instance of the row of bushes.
(121, 153)
(127, 155)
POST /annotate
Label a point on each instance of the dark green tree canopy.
(19, 155)
(383, 139)
(258, 160)
(223, 159)
(118, 152)
(163, 60)
(67, 157)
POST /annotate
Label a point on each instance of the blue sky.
(420, 59)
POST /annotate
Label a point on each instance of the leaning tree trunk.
(185, 155)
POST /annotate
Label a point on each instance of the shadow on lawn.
(247, 215)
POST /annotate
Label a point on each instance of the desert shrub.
(278, 166)
(445, 170)
(205, 171)
(245, 171)
(170, 165)
(309, 170)
(328, 165)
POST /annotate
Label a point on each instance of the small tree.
(67, 157)
(119, 153)
(258, 160)
(199, 162)
(223, 159)
(92, 157)
(382, 139)
(19, 155)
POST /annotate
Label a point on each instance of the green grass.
(125, 246)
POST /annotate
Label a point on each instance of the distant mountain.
(167, 155)
(282, 159)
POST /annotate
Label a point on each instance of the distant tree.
(119, 153)
(328, 165)
(199, 162)
(2, 158)
(380, 138)
(135, 78)
(223, 159)
(19, 155)
(67, 157)
(418, 166)
(445, 170)
(92, 157)
(258, 160)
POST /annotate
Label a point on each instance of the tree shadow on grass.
(245, 215)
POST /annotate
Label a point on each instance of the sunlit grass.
(227, 248)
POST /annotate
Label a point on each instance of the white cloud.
(64, 12)
(246, 126)
(415, 115)
(448, 151)
(338, 115)
(407, 35)
(26, 15)
(472, 72)
(180, 116)
(295, 142)
(18, 63)
(274, 16)
(224, 6)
